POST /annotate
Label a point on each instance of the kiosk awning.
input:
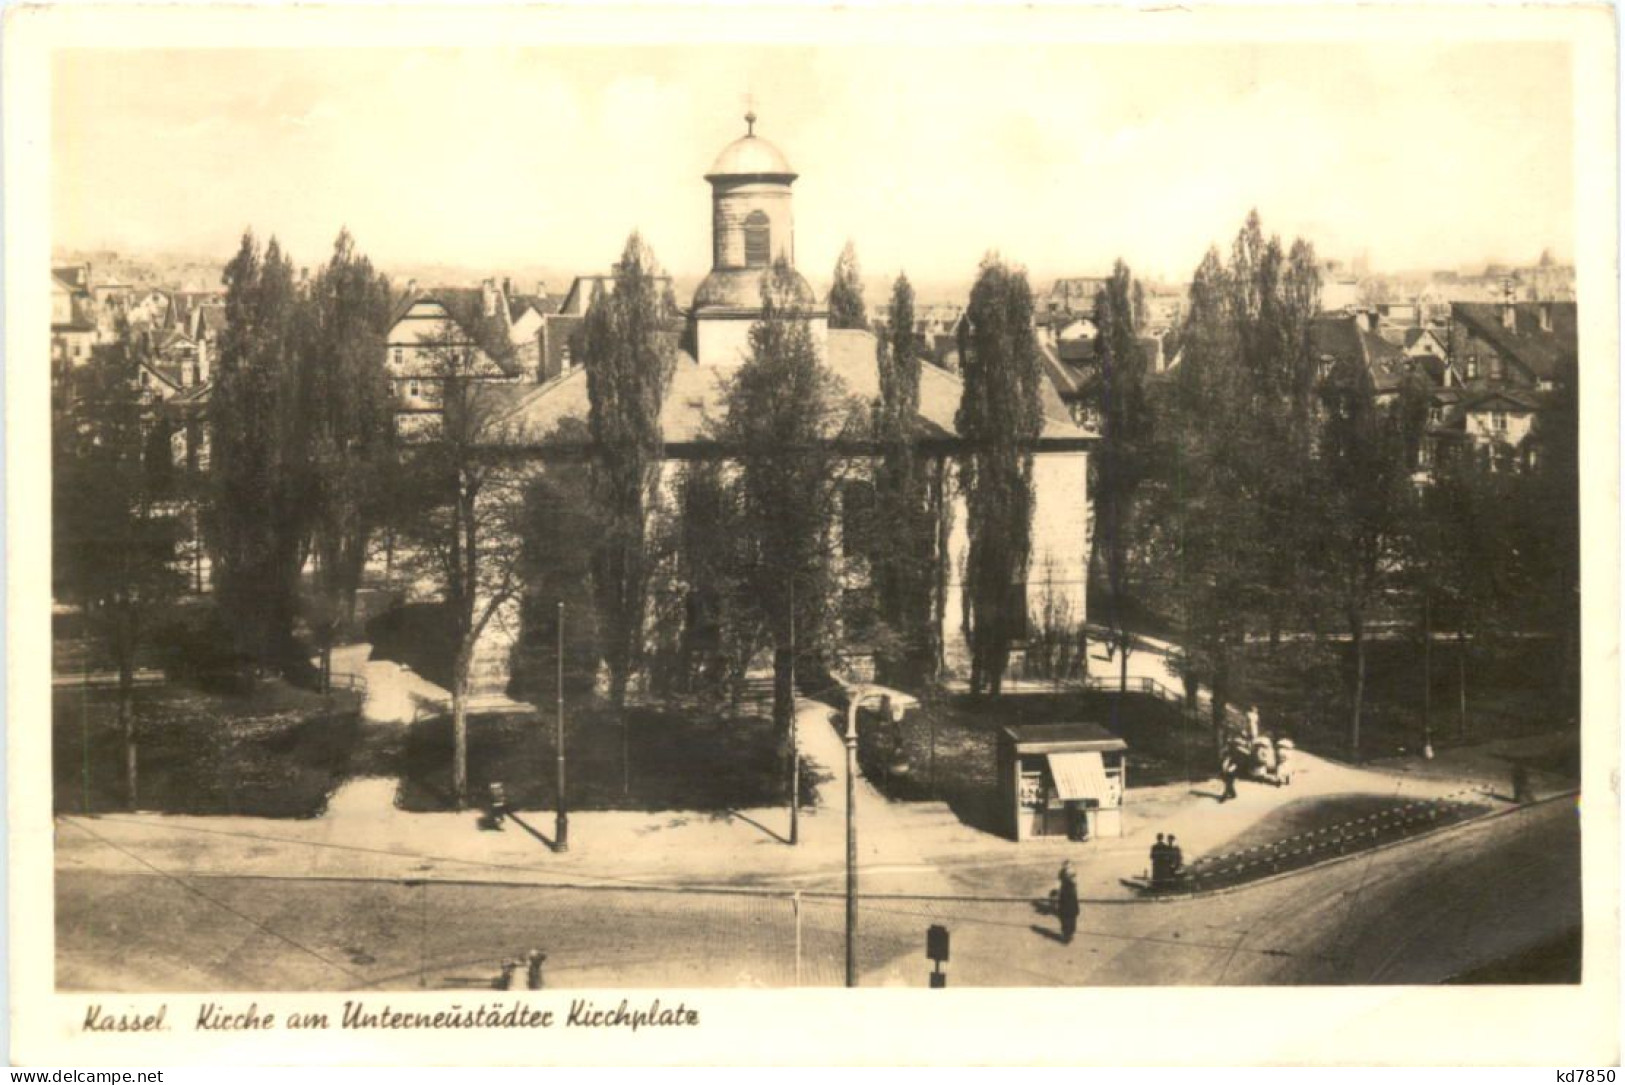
(1079, 776)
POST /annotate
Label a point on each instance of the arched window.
(758, 240)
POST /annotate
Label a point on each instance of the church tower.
(752, 226)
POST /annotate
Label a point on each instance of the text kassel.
(584, 1014)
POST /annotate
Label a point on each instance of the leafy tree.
(459, 510)
(905, 547)
(259, 513)
(115, 540)
(561, 525)
(1000, 417)
(1205, 531)
(846, 309)
(1365, 479)
(718, 630)
(348, 405)
(784, 417)
(1122, 461)
(629, 357)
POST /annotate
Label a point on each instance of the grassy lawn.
(682, 759)
(1509, 694)
(947, 748)
(278, 752)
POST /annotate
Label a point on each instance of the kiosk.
(1062, 779)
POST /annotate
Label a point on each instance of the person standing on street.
(1066, 902)
(1227, 771)
(1159, 861)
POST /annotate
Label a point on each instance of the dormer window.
(758, 240)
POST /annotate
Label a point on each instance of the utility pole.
(852, 838)
(1427, 674)
(561, 820)
(795, 752)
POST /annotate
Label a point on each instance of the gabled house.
(1504, 363)
(435, 329)
(1512, 344)
(73, 322)
(1340, 338)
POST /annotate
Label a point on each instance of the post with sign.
(936, 948)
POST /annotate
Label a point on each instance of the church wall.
(1060, 559)
(722, 341)
(730, 207)
(1060, 550)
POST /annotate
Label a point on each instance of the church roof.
(741, 288)
(695, 401)
(751, 156)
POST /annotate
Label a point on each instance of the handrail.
(1417, 812)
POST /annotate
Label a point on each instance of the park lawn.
(682, 758)
(277, 752)
(948, 747)
(1509, 694)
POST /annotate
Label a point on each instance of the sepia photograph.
(597, 518)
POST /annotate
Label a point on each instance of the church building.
(752, 226)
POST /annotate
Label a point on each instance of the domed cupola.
(752, 227)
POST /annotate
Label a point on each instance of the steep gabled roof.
(1502, 399)
(464, 307)
(695, 400)
(1345, 339)
(1542, 354)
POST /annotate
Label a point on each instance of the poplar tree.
(904, 549)
(1000, 418)
(349, 406)
(629, 357)
(784, 417)
(259, 513)
(846, 308)
(1121, 463)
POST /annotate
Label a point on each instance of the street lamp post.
(854, 702)
(561, 820)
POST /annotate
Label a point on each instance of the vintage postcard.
(810, 535)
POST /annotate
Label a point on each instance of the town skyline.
(573, 153)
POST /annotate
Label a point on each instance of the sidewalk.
(904, 847)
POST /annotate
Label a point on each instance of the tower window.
(758, 240)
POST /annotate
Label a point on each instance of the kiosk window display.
(1062, 779)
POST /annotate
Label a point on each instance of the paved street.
(1417, 913)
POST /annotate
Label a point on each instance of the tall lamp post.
(561, 820)
(895, 707)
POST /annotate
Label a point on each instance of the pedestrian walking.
(1227, 772)
(1066, 902)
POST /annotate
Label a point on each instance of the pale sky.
(1062, 158)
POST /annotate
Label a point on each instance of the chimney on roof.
(411, 288)
(1509, 312)
(488, 297)
(1546, 317)
(541, 288)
